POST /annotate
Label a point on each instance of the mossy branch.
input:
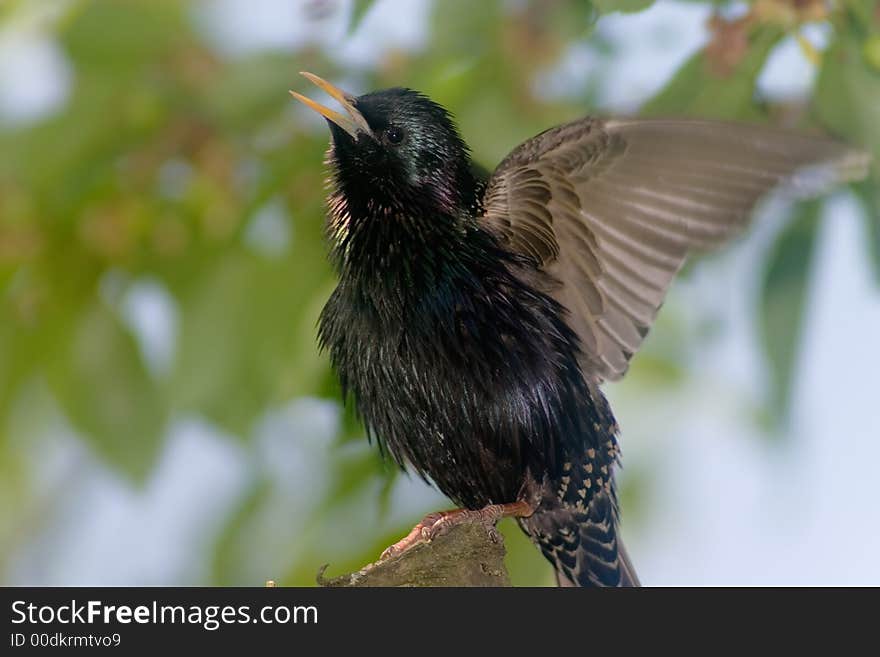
(465, 555)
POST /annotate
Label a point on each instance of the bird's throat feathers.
(383, 230)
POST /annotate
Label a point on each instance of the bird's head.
(395, 154)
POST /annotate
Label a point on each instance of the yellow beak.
(353, 124)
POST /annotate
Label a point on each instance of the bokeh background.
(165, 416)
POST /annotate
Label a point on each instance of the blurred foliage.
(167, 156)
(784, 296)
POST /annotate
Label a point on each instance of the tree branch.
(463, 556)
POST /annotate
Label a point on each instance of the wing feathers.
(611, 209)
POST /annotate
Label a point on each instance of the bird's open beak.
(353, 124)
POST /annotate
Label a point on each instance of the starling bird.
(476, 315)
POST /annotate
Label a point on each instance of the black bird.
(476, 315)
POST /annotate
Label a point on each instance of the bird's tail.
(628, 576)
(583, 544)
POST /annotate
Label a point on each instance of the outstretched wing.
(610, 209)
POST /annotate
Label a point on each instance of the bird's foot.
(438, 523)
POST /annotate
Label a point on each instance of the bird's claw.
(422, 532)
(437, 524)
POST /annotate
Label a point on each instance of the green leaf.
(248, 91)
(624, 6)
(698, 90)
(119, 37)
(217, 372)
(861, 15)
(526, 565)
(847, 97)
(358, 11)
(871, 53)
(355, 471)
(101, 383)
(16, 358)
(869, 193)
(873, 220)
(227, 553)
(783, 298)
(248, 336)
(847, 102)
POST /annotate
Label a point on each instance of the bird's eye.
(394, 135)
